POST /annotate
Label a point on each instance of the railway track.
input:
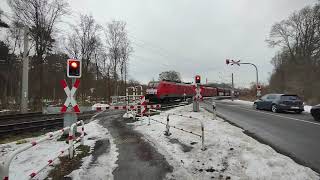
(31, 122)
(174, 104)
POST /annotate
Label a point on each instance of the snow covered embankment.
(28, 161)
(230, 153)
(104, 165)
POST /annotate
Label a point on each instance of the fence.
(4, 166)
(168, 126)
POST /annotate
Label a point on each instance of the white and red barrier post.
(4, 166)
(70, 117)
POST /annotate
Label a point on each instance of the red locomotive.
(167, 90)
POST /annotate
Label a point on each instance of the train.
(161, 91)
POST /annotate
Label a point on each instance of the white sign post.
(197, 98)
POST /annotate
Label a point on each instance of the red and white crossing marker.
(70, 96)
(198, 95)
(143, 105)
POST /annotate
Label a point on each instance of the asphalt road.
(295, 135)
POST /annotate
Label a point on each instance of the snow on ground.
(4, 110)
(230, 153)
(127, 115)
(243, 102)
(95, 106)
(307, 108)
(32, 159)
(103, 167)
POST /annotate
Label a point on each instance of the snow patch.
(238, 101)
(105, 164)
(230, 152)
(99, 105)
(30, 160)
(307, 108)
(128, 115)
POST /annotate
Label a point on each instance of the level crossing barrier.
(73, 143)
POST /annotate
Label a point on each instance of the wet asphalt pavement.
(137, 160)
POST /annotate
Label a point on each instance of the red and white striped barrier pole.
(131, 107)
(143, 103)
(4, 166)
(50, 162)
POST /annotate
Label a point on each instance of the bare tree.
(41, 18)
(2, 23)
(83, 43)
(299, 34)
(118, 47)
(170, 76)
(297, 63)
(126, 51)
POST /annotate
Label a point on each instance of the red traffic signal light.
(197, 79)
(74, 64)
(227, 61)
(258, 87)
(73, 68)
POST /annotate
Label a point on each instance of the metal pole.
(70, 138)
(149, 117)
(196, 100)
(232, 90)
(25, 74)
(167, 132)
(257, 73)
(202, 137)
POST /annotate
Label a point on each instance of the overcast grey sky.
(195, 36)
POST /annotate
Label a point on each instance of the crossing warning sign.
(70, 96)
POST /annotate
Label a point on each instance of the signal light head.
(198, 79)
(73, 68)
(258, 87)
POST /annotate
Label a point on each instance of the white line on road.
(277, 115)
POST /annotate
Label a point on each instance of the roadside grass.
(20, 137)
(66, 165)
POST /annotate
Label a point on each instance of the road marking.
(277, 115)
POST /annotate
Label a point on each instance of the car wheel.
(255, 106)
(299, 112)
(315, 115)
(274, 108)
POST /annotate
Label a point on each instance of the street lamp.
(232, 62)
